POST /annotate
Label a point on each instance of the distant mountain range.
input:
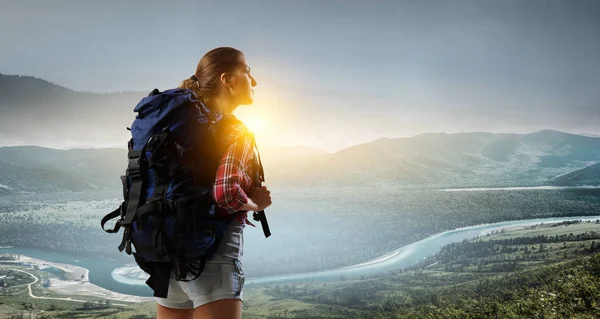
(34, 109)
(454, 160)
(427, 160)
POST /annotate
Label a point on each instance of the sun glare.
(255, 123)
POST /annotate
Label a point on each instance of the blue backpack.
(168, 212)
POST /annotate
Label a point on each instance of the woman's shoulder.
(238, 131)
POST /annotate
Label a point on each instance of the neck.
(222, 104)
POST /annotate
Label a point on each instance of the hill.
(38, 169)
(448, 160)
(35, 111)
(586, 176)
(423, 161)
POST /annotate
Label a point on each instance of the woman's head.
(222, 74)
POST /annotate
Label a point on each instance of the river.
(517, 188)
(126, 278)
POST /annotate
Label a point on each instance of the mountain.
(427, 160)
(36, 111)
(447, 160)
(39, 169)
(41, 112)
(586, 176)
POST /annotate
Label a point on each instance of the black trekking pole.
(260, 216)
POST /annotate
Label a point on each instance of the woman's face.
(242, 84)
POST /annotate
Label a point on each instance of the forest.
(331, 229)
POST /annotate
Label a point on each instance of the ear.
(225, 80)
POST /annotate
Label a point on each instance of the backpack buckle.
(133, 168)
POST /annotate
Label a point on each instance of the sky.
(332, 74)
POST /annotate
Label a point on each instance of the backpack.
(168, 213)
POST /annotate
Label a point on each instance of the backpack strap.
(260, 178)
(160, 275)
(115, 213)
(120, 211)
(136, 158)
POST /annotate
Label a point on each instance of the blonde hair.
(215, 62)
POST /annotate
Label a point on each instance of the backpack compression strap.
(120, 211)
(136, 158)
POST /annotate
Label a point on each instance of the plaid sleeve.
(232, 177)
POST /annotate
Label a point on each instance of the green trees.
(97, 305)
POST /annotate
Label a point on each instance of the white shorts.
(222, 278)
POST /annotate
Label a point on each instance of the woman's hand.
(261, 196)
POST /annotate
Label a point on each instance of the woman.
(222, 81)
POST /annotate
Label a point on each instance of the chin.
(247, 101)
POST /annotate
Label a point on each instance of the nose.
(253, 81)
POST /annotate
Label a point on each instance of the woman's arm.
(231, 179)
(252, 206)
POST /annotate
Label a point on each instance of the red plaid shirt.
(234, 178)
